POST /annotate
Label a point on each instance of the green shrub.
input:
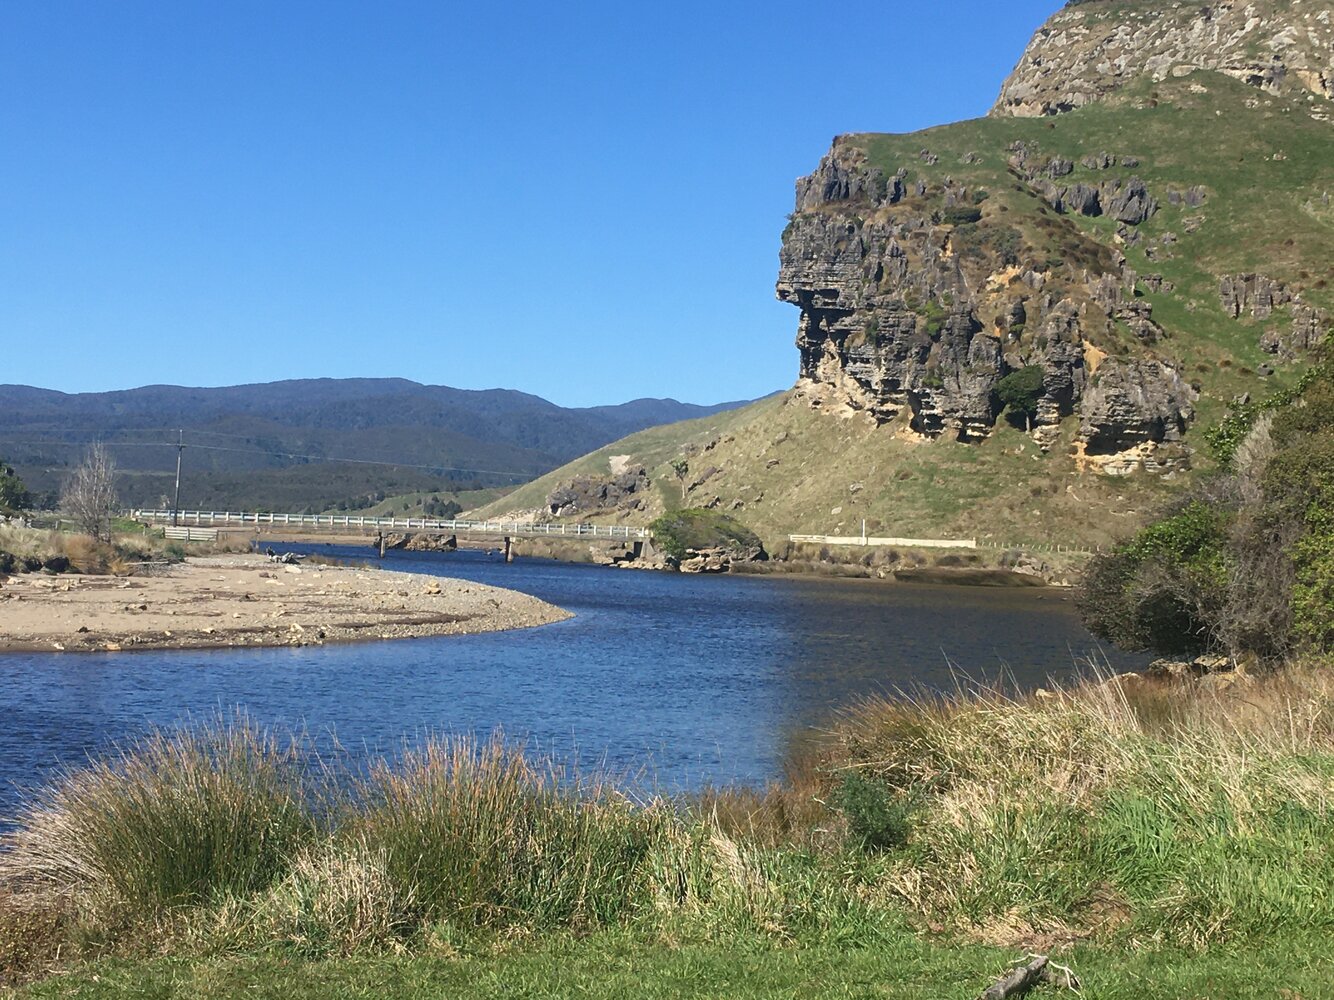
(879, 817)
(1008, 243)
(935, 315)
(14, 496)
(958, 215)
(1162, 590)
(1020, 391)
(1315, 387)
(1247, 566)
(1313, 583)
(696, 528)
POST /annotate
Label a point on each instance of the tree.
(1245, 565)
(1162, 590)
(681, 468)
(1020, 391)
(89, 495)
(13, 494)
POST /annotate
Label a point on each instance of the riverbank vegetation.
(31, 550)
(1243, 562)
(694, 529)
(1115, 823)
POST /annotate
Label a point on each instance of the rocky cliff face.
(1091, 48)
(927, 276)
(920, 297)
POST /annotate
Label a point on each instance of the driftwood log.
(1017, 982)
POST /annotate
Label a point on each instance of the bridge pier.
(509, 554)
(379, 537)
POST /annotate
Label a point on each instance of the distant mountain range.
(311, 443)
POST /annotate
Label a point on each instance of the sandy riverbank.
(244, 600)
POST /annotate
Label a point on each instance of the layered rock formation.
(1258, 296)
(917, 297)
(1090, 49)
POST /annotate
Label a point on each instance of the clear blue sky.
(579, 200)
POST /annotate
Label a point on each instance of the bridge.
(504, 531)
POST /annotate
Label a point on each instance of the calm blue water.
(694, 678)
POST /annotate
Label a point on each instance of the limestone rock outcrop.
(1133, 403)
(920, 301)
(589, 494)
(1258, 296)
(1091, 48)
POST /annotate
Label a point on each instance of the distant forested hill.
(310, 443)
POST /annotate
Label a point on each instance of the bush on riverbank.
(28, 550)
(696, 529)
(1243, 563)
(1188, 814)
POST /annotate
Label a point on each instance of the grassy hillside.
(784, 468)
(1265, 164)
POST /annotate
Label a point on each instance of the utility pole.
(176, 504)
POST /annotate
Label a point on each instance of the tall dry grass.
(1195, 812)
(28, 549)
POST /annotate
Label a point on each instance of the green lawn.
(614, 966)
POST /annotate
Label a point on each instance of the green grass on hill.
(785, 468)
(413, 504)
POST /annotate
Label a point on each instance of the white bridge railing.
(530, 529)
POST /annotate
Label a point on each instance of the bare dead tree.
(89, 494)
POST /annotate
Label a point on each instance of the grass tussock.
(1193, 813)
(1186, 814)
(173, 821)
(483, 834)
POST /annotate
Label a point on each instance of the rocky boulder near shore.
(584, 495)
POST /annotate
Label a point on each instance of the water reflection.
(698, 678)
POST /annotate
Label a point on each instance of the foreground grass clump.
(1193, 814)
(482, 834)
(173, 821)
(1121, 811)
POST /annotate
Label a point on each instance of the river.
(690, 679)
